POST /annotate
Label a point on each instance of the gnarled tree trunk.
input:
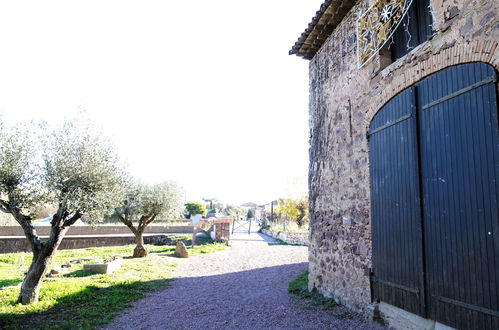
(42, 256)
(30, 288)
(140, 250)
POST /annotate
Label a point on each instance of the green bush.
(193, 208)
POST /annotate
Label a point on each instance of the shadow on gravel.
(252, 299)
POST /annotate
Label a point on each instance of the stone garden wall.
(98, 230)
(19, 244)
(78, 237)
(290, 238)
(343, 100)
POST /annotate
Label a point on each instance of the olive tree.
(71, 167)
(143, 204)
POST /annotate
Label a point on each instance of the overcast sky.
(200, 92)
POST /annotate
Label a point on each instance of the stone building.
(404, 159)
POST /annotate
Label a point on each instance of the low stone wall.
(290, 238)
(98, 230)
(19, 244)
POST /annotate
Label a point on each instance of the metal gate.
(241, 225)
(435, 198)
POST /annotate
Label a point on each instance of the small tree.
(77, 172)
(302, 207)
(193, 208)
(145, 204)
(296, 210)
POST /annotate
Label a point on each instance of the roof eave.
(324, 22)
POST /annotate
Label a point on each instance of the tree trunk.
(140, 250)
(301, 216)
(42, 256)
(30, 288)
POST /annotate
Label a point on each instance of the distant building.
(249, 205)
(404, 159)
(271, 206)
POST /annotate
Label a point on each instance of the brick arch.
(403, 77)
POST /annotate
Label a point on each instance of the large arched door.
(435, 198)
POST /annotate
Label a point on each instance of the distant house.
(249, 205)
(271, 206)
(404, 159)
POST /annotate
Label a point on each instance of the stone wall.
(343, 100)
(290, 238)
(19, 244)
(98, 230)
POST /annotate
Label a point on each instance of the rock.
(66, 266)
(181, 250)
(202, 234)
(467, 27)
(104, 268)
(55, 271)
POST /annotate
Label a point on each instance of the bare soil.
(244, 287)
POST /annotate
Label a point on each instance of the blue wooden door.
(434, 153)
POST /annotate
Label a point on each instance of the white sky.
(200, 92)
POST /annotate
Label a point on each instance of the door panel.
(460, 178)
(396, 229)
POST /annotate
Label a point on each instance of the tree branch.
(29, 230)
(151, 219)
(142, 221)
(4, 206)
(73, 219)
(61, 215)
(127, 222)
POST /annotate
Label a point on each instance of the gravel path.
(243, 287)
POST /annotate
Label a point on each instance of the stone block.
(181, 250)
(103, 268)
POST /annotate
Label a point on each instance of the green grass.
(290, 227)
(82, 300)
(299, 287)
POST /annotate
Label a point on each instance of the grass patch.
(82, 300)
(289, 227)
(299, 287)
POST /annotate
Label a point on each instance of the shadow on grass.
(4, 283)
(78, 273)
(89, 308)
(163, 251)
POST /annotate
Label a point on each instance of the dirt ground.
(243, 287)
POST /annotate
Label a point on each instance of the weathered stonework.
(343, 100)
(290, 238)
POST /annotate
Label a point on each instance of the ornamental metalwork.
(377, 25)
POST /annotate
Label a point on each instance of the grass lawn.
(78, 299)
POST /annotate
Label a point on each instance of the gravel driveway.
(243, 287)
